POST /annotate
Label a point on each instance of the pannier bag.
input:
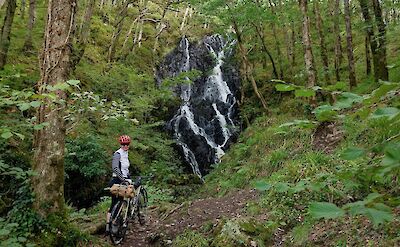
(122, 190)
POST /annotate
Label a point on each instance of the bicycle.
(126, 209)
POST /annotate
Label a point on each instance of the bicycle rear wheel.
(118, 226)
(142, 206)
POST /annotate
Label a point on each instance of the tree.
(320, 29)
(308, 54)
(28, 45)
(49, 142)
(338, 42)
(118, 28)
(82, 37)
(277, 43)
(381, 38)
(349, 38)
(246, 65)
(377, 42)
(6, 30)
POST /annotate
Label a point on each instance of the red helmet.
(124, 139)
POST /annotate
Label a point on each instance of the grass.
(297, 175)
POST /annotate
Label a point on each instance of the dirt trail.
(187, 216)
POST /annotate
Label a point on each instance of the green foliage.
(86, 168)
(353, 153)
(325, 210)
(18, 228)
(190, 238)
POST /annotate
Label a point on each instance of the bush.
(86, 169)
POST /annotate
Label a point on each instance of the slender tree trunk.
(382, 61)
(138, 25)
(28, 45)
(367, 55)
(82, 38)
(371, 37)
(349, 38)
(277, 43)
(338, 42)
(184, 18)
(293, 45)
(247, 65)
(161, 26)
(117, 32)
(6, 30)
(49, 143)
(264, 46)
(320, 29)
(23, 4)
(308, 54)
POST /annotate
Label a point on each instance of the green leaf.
(325, 113)
(304, 93)
(4, 232)
(73, 82)
(284, 87)
(353, 153)
(378, 216)
(281, 187)
(346, 100)
(6, 135)
(389, 112)
(262, 185)
(22, 137)
(378, 93)
(356, 208)
(325, 210)
(40, 126)
(300, 186)
(35, 104)
(24, 106)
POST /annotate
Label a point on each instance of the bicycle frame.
(125, 209)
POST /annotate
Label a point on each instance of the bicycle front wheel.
(118, 223)
(142, 206)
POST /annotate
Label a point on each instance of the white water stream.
(216, 89)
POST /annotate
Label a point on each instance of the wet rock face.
(207, 121)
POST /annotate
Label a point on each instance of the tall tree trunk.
(28, 45)
(367, 55)
(338, 41)
(6, 30)
(49, 143)
(23, 4)
(82, 38)
(293, 45)
(277, 43)
(184, 18)
(320, 29)
(371, 37)
(264, 46)
(247, 65)
(161, 26)
(138, 25)
(117, 32)
(308, 54)
(349, 38)
(382, 61)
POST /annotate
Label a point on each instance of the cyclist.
(120, 168)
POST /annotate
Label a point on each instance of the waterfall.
(205, 122)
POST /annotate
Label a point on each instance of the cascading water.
(206, 121)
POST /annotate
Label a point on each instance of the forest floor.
(161, 229)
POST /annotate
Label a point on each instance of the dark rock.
(207, 121)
